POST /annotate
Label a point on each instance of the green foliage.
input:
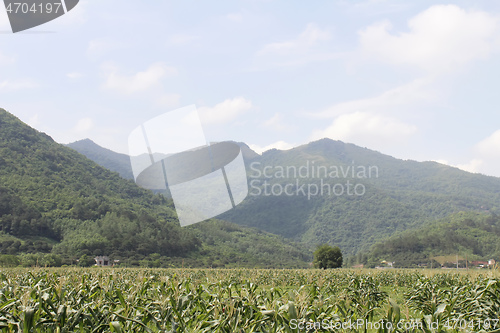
(40, 260)
(8, 260)
(52, 191)
(54, 200)
(104, 157)
(86, 261)
(246, 300)
(230, 245)
(471, 235)
(404, 196)
(327, 256)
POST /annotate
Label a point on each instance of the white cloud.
(440, 38)
(310, 37)
(488, 152)
(280, 145)
(407, 94)
(12, 85)
(473, 166)
(367, 129)
(490, 146)
(309, 46)
(138, 82)
(442, 161)
(375, 122)
(84, 125)
(277, 123)
(225, 111)
(485, 157)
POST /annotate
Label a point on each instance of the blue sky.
(413, 79)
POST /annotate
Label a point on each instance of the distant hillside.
(121, 162)
(54, 200)
(399, 194)
(104, 157)
(468, 235)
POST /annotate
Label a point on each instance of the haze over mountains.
(296, 194)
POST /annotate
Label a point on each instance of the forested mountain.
(121, 162)
(469, 235)
(397, 195)
(104, 157)
(55, 200)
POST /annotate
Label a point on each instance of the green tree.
(8, 260)
(86, 261)
(51, 260)
(327, 256)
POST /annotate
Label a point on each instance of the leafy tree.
(8, 260)
(327, 256)
(51, 260)
(86, 261)
(29, 259)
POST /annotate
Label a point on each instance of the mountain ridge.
(404, 195)
(105, 157)
(56, 201)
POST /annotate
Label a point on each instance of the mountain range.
(396, 196)
(326, 191)
(55, 202)
(393, 195)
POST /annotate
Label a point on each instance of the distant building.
(102, 261)
(388, 263)
(479, 264)
(491, 262)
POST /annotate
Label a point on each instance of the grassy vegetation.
(247, 300)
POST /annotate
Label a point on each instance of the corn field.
(246, 300)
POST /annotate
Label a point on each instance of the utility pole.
(457, 262)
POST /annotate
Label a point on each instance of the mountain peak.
(105, 157)
(86, 141)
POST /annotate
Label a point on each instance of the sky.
(415, 80)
